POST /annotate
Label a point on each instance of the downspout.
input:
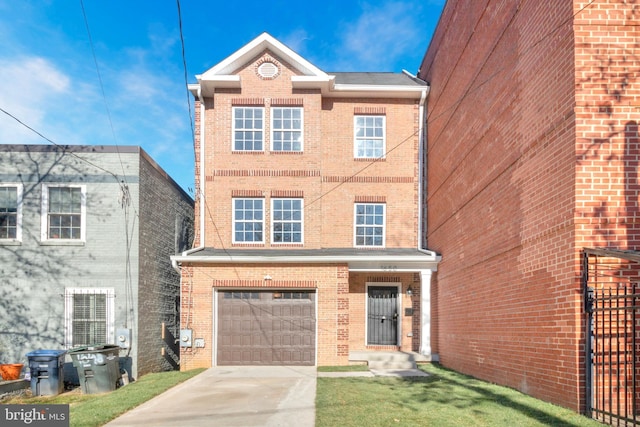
(422, 168)
(174, 263)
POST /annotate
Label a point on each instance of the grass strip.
(445, 398)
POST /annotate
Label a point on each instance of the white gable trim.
(257, 46)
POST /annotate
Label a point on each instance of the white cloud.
(381, 35)
(29, 87)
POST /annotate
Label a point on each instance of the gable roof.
(402, 85)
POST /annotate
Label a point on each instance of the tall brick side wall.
(501, 174)
(166, 224)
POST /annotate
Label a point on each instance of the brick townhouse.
(532, 123)
(308, 214)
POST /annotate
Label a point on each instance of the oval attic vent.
(268, 70)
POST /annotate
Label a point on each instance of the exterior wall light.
(409, 291)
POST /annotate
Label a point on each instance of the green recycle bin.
(98, 367)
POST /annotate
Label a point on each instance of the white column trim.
(425, 312)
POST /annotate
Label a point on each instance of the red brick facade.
(532, 155)
(327, 177)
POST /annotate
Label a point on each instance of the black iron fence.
(611, 285)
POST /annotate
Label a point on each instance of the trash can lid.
(93, 347)
(41, 352)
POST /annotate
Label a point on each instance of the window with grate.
(89, 316)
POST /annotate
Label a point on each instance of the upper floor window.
(286, 223)
(248, 128)
(11, 212)
(286, 128)
(369, 135)
(248, 221)
(369, 224)
(63, 212)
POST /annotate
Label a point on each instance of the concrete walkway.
(247, 396)
(233, 396)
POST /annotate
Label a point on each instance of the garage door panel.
(266, 328)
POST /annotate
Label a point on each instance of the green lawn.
(445, 398)
(89, 410)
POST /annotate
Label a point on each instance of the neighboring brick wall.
(333, 307)
(501, 177)
(166, 228)
(607, 112)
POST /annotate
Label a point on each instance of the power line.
(63, 148)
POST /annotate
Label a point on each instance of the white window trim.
(233, 129)
(273, 130)
(356, 139)
(44, 216)
(18, 238)
(301, 242)
(68, 311)
(384, 225)
(233, 220)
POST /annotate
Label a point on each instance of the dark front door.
(382, 323)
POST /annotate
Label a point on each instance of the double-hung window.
(63, 212)
(10, 213)
(369, 137)
(248, 220)
(248, 128)
(369, 224)
(89, 316)
(286, 128)
(286, 221)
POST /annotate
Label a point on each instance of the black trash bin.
(98, 367)
(47, 375)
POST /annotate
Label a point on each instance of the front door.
(382, 309)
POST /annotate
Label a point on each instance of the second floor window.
(248, 128)
(286, 129)
(369, 224)
(10, 212)
(369, 136)
(63, 212)
(248, 221)
(286, 221)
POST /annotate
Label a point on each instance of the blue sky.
(137, 95)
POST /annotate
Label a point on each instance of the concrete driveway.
(233, 396)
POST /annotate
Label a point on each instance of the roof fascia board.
(215, 259)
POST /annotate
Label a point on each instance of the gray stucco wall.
(34, 275)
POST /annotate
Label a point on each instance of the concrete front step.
(385, 365)
(387, 359)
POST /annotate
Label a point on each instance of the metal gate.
(382, 311)
(611, 285)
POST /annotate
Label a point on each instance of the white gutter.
(174, 259)
(421, 171)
